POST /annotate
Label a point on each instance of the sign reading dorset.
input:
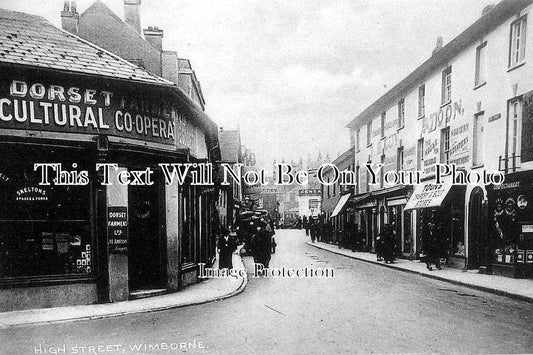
(75, 109)
(117, 229)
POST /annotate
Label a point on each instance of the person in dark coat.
(389, 244)
(312, 228)
(226, 246)
(306, 225)
(379, 247)
(261, 245)
(430, 247)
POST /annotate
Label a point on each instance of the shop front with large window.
(73, 234)
(510, 217)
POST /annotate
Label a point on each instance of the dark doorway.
(476, 225)
(144, 233)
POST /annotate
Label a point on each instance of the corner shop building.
(66, 101)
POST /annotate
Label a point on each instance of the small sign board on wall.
(117, 229)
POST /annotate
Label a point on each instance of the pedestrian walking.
(226, 246)
(312, 228)
(430, 247)
(306, 225)
(379, 247)
(261, 245)
(389, 244)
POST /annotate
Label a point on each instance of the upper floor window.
(481, 64)
(421, 101)
(420, 155)
(383, 118)
(514, 124)
(445, 145)
(399, 161)
(401, 113)
(447, 85)
(357, 139)
(517, 52)
(369, 133)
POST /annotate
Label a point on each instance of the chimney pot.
(69, 17)
(154, 36)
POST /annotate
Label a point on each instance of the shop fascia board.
(197, 114)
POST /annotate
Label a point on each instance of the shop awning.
(340, 205)
(427, 196)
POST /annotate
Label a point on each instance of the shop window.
(517, 50)
(447, 85)
(407, 231)
(186, 217)
(44, 230)
(481, 64)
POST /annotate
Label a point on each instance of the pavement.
(521, 289)
(212, 289)
(363, 309)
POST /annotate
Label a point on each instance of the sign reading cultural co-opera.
(76, 109)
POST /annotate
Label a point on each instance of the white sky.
(292, 73)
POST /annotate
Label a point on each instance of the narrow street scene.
(290, 177)
(365, 308)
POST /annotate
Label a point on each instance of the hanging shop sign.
(117, 229)
(527, 128)
(309, 192)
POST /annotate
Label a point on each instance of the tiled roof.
(30, 40)
(230, 142)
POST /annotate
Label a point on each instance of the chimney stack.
(132, 14)
(438, 46)
(70, 17)
(154, 36)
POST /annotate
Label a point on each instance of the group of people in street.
(433, 243)
(260, 243)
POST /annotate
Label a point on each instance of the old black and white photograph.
(266, 177)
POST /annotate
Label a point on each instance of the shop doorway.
(476, 224)
(144, 237)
